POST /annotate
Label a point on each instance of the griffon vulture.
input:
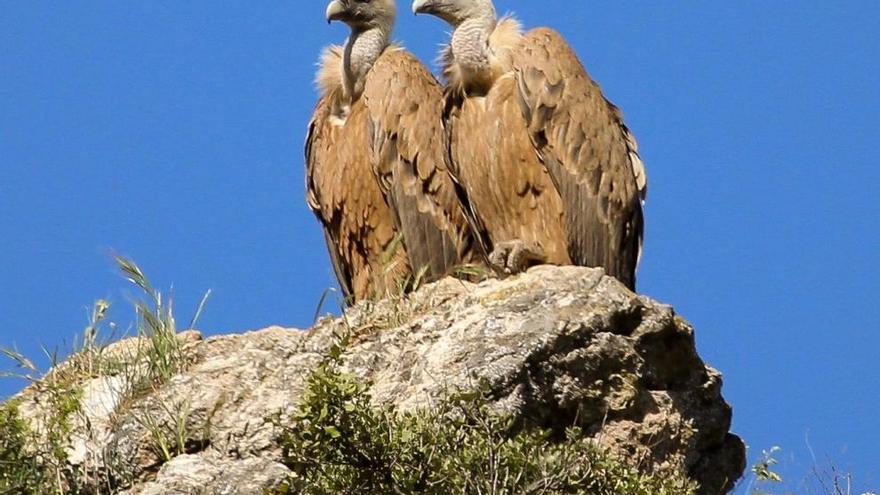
(551, 172)
(376, 161)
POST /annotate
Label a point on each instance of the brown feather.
(589, 152)
(508, 187)
(511, 195)
(358, 223)
(378, 178)
(405, 103)
(542, 155)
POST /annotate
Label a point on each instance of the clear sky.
(172, 132)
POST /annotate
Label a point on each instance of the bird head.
(455, 12)
(362, 14)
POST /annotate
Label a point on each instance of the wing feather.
(322, 209)
(410, 157)
(590, 154)
(342, 190)
(512, 195)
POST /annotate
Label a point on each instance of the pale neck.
(362, 50)
(470, 46)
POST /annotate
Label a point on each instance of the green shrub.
(35, 462)
(19, 469)
(338, 443)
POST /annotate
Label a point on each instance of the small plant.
(763, 469)
(34, 451)
(168, 429)
(156, 325)
(339, 443)
(20, 470)
(33, 459)
(829, 481)
(33, 454)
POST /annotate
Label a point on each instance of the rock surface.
(560, 345)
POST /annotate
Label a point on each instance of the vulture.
(551, 173)
(377, 162)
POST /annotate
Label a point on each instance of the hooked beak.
(335, 11)
(422, 6)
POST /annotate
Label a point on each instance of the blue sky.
(172, 132)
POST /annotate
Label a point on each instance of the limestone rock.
(559, 345)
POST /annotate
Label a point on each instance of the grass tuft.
(34, 448)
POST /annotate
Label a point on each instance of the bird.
(552, 173)
(376, 162)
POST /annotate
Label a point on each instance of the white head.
(456, 12)
(362, 15)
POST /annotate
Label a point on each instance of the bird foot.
(513, 257)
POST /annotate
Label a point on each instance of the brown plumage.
(590, 153)
(410, 155)
(376, 171)
(551, 171)
(359, 225)
(512, 194)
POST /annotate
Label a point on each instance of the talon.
(498, 257)
(513, 257)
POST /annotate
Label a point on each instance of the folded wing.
(590, 154)
(410, 156)
(359, 225)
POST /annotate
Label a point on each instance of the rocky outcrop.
(560, 346)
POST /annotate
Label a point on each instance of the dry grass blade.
(392, 248)
(476, 271)
(419, 278)
(322, 301)
(21, 361)
(133, 274)
(200, 309)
